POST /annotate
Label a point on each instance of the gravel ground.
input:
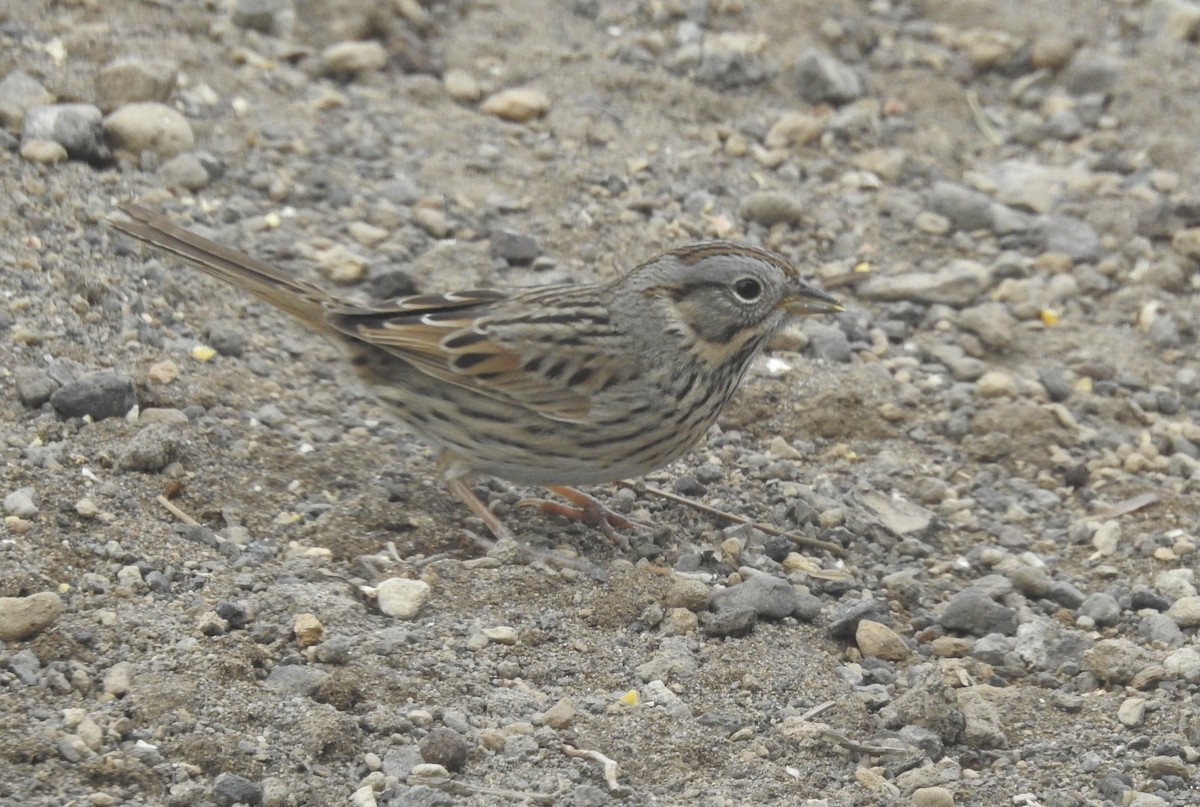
(1000, 433)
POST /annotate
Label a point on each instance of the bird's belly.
(483, 435)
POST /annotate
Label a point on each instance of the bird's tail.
(304, 301)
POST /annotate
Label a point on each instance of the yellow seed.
(203, 353)
(630, 698)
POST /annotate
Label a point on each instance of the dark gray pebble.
(845, 619)
(768, 597)
(75, 127)
(150, 450)
(230, 789)
(1102, 608)
(34, 386)
(730, 623)
(976, 613)
(101, 395)
(446, 748)
(513, 247)
(820, 77)
(226, 339)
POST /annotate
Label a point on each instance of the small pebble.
(401, 597)
(308, 630)
(149, 126)
(351, 58)
(519, 104)
(877, 640)
(25, 617)
(932, 797)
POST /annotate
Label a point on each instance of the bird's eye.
(748, 289)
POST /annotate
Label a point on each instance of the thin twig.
(458, 788)
(862, 748)
(1130, 505)
(803, 540)
(816, 710)
(989, 131)
(610, 766)
(175, 511)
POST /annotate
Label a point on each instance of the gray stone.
(446, 748)
(22, 503)
(150, 450)
(976, 613)
(1046, 645)
(995, 649)
(722, 63)
(982, 725)
(1091, 73)
(822, 78)
(18, 92)
(929, 742)
(992, 323)
(828, 342)
(230, 789)
(1164, 332)
(106, 394)
(1054, 378)
(1144, 597)
(75, 127)
(34, 386)
(674, 660)
(769, 208)
(1101, 608)
(961, 366)
(228, 340)
(295, 679)
(1161, 629)
(1117, 660)
(768, 597)
(129, 80)
(184, 171)
(929, 703)
(1173, 20)
(730, 623)
(1072, 237)
(586, 796)
(1065, 594)
(808, 607)
(844, 622)
(1030, 581)
(513, 247)
(898, 516)
(967, 209)
(1064, 125)
(270, 17)
(25, 665)
(1183, 664)
(957, 284)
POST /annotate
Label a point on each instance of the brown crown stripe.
(694, 253)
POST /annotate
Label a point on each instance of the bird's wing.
(552, 350)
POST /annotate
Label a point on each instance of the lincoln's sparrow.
(551, 385)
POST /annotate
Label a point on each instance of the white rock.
(149, 126)
(22, 503)
(402, 598)
(1186, 612)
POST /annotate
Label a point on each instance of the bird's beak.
(807, 299)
